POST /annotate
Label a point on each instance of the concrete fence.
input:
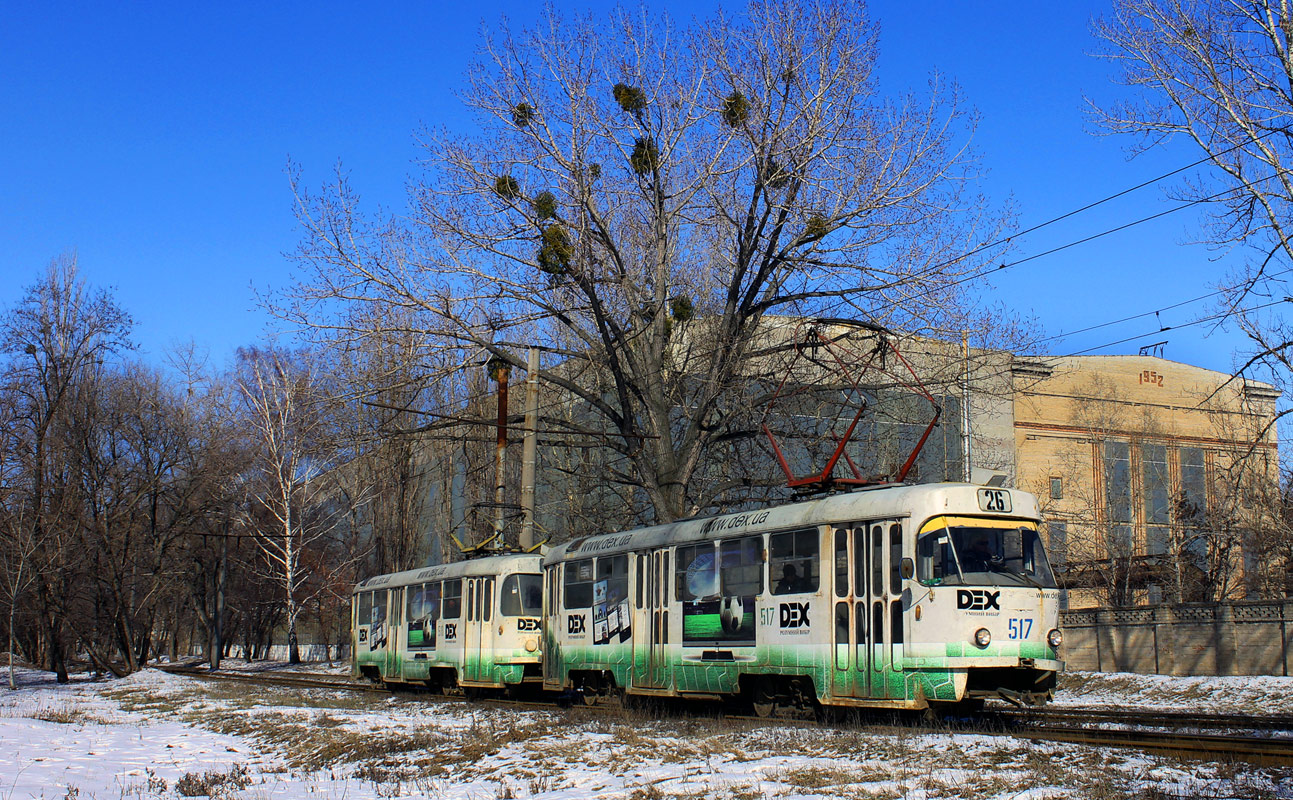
(1189, 639)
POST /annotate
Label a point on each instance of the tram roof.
(487, 565)
(880, 502)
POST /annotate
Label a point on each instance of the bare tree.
(55, 337)
(642, 198)
(286, 410)
(1219, 74)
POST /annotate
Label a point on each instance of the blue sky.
(152, 139)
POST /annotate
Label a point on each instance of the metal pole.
(966, 462)
(500, 374)
(530, 449)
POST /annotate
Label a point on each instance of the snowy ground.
(158, 735)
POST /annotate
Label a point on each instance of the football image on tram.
(892, 596)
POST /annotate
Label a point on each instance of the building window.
(1193, 504)
(1057, 548)
(1057, 489)
(1117, 481)
(1153, 459)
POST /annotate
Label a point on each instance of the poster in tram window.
(611, 610)
(377, 631)
(718, 591)
(424, 604)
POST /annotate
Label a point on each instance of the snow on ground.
(1246, 694)
(164, 736)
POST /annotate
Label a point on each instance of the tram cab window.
(579, 584)
(522, 596)
(452, 599)
(365, 608)
(974, 552)
(793, 561)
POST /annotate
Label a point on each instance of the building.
(1159, 480)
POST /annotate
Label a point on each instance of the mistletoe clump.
(645, 157)
(816, 227)
(506, 187)
(545, 205)
(736, 110)
(555, 250)
(631, 98)
(522, 114)
(681, 309)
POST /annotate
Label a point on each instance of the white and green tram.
(472, 625)
(891, 596)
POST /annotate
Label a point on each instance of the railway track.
(1077, 726)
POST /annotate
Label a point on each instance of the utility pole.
(498, 369)
(529, 450)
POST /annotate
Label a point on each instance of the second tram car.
(895, 596)
(472, 624)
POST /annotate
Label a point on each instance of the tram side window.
(934, 558)
(741, 566)
(423, 611)
(697, 576)
(793, 561)
(522, 595)
(452, 599)
(612, 585)
(579, 584)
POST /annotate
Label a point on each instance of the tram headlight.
(1055, 638)
(983, 637)
(531, 644)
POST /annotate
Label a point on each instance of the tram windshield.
(968, 551)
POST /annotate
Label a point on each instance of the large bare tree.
(641, 197)
(1219, 74)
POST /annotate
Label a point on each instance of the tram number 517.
(1020, 628)
(995, 500)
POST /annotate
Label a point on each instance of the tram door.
(477, 636)
(395, 636)
(884, 628)
(651, 637)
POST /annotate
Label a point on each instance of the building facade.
(1159, 480)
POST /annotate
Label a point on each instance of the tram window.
(612, 586)
(697, 577)
(877, 622)
(895, 622)
(842, 623)
(487, 598)
(934, 558)
(579, 584)
(522, 596)
(365, 608)
(741, 566)
(473, 601)
(638, 588)
(841, 562)
(793, 561)
(453, 599)
(877, 559)
(423, 608)
(895, 559)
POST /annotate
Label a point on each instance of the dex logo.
(977, 599)
(794, 615)
(524, 625)
(450, 631)
(575, 624)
